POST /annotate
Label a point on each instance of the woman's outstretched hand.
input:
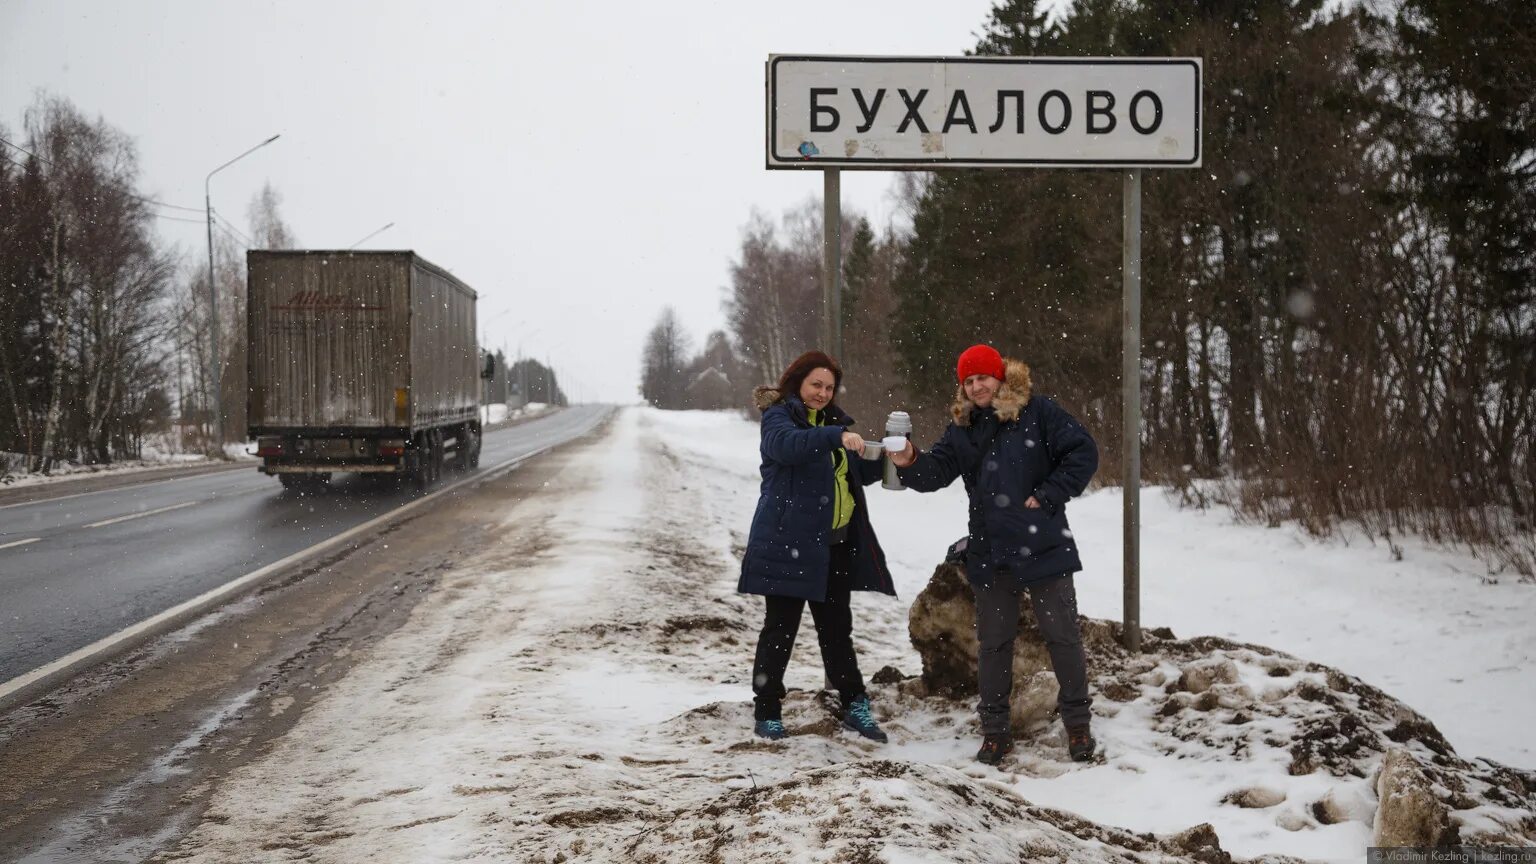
(852, 441)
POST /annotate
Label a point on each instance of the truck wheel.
(436, 460)
(421, 469)
(474, 451)
(468, 450)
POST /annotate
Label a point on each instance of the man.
(1022, 457)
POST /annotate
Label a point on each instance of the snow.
(500, 412)
(240, 451)
(1432, 629)
(564, 691)
(159, 451)
(493, 413)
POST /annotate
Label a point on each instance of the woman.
(811, 541)
(1022, 458)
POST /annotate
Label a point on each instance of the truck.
(360, 361)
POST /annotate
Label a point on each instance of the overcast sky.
(579, 164)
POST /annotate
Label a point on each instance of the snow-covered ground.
(580, 691)
(158, 452)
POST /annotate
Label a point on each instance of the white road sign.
(970, 112)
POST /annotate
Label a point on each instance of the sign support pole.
(831, 263)
(1131, 384)
(832, 274)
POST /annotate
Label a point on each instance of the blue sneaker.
(773, 730)
(858, 718)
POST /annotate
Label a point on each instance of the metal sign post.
(831, 263)
(1130, 382)
(827, 113)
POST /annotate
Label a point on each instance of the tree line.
(105, 333)
(773, 309)
(1339, 310)
(83, 280)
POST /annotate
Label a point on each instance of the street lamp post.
(522, 367)
(371, 236)
(213, 294)
(522, 371)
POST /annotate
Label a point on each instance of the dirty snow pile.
(579, 691)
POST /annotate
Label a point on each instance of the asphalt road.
(76, 569)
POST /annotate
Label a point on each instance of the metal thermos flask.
(899, 423)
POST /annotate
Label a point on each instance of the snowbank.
(500, 412)
(496, 412)
(157, 453)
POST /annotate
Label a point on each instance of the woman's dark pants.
(997, 624)
(834, 631)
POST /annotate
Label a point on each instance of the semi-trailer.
(360, 361)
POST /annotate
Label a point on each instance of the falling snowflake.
(794, 553)
(1033, 529)
(1029, 442)
(1066, 532)
(1002, 500)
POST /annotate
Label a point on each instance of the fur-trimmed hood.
(1009, 401)
(765, 396)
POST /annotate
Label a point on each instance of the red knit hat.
(980, 360)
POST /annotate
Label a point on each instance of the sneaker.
(1080, 743)
(773, 730)
(994, 748)
(858, 718)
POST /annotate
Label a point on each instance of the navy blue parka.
(1023, 445)
(787, 552)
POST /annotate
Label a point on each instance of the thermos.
(898, 424)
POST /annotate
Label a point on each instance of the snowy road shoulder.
(579, 689)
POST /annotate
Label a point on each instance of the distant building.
(710, 390)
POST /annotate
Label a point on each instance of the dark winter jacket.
(1021, 446)
(787, 552)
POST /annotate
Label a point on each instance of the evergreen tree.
(858, 272)
(1013, 258)
(1017, 28)
(27, 226)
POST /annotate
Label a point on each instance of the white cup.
(894, 443)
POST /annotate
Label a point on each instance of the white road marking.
(141, 515)
(19, 542)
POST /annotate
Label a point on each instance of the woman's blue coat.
(787, 553)
(1046, 453)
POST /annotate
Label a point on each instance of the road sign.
(973, 112)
